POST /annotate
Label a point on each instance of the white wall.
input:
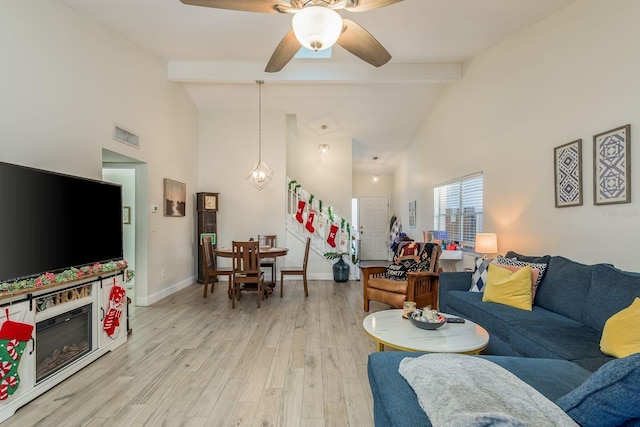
(228, 149)
(364, 187)
(571, 76)
(327, 176)
(411, 183)
(64, 81)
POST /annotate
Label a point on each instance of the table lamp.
(486, 243)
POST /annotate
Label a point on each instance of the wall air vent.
(123, 135)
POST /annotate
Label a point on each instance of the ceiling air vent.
(123, 135)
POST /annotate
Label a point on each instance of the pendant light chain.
(260, 175)
(260, 83)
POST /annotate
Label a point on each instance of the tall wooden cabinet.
(206, 223)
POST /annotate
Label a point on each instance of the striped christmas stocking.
(13, 340)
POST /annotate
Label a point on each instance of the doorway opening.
(131, 174)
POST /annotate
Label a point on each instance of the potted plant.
(340, 268)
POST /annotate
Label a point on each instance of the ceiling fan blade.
(359, 42)
(264, 6)
(286, 50)
(365, 5)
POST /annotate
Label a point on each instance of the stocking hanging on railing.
(321, 229)
(310, 225)
(299, 211)
(333, 231)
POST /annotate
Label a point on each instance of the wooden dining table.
(265, 252)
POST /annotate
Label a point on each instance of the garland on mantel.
(65, 276)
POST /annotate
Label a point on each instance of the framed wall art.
(567, 161)
(212, 235)
(612, 166)
(175, 198)
(412, 214)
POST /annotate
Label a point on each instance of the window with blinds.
(458, 208)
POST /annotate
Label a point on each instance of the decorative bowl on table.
(422, 322)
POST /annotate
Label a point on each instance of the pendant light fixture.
(260, 174)
(376, 177)
(323, 148)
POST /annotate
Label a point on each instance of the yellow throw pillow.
(621, 334)
(505, 287)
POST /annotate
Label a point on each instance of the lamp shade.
(317, 27)
(486, 243)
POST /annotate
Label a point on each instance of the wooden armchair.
(268, 240)
(420, 286)
(211, 269)
(247, 275)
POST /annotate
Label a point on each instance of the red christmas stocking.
(298, 215)
(13, 340)
(331, 240)
(116, 303)
(309, 224)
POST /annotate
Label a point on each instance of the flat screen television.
(50, 222)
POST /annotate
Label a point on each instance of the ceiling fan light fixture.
(317, 27)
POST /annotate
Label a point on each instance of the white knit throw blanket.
(468, 391)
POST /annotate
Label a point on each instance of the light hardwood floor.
(191, 361)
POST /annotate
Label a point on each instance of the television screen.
(50, 222)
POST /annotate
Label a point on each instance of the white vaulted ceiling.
(214, 50)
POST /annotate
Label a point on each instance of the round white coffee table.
(389, 328)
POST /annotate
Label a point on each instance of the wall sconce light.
(260, 174)
(486, 243)
(376, 178)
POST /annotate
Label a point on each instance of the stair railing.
(307, 216)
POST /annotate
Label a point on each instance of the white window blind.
(458, 208)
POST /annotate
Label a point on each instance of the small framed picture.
(412, 214)
(567, 161)
(126, 215)
(175, 198)
(612, 166)
(212, 235)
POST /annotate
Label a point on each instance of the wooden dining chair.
(246, 270)
(297, 271)
(211, 269)
(268, 240)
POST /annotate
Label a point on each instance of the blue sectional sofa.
(609, 397)
(559, 339)
(571, 306)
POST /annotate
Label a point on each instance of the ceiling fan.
(315, 25)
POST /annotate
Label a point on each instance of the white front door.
(374, 228)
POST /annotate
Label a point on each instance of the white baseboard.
(153, 298)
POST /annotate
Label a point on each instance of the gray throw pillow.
(544, 259)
